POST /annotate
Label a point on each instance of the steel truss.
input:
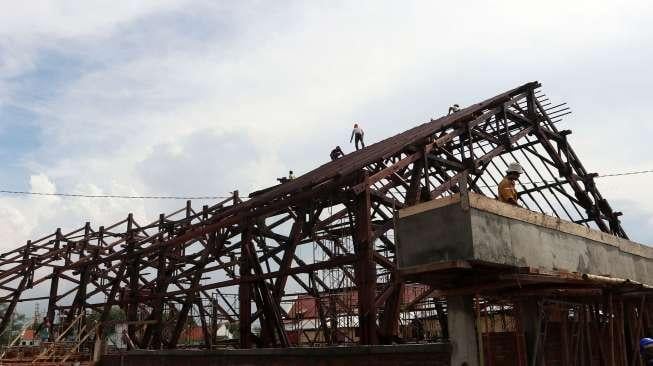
(188, 261)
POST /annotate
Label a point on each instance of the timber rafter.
(195, 260)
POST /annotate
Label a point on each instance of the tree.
(15, 326)
(234, 329)
(115, 314)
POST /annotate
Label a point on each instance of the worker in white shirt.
(453, 109)
(357, 134)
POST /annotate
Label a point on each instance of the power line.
(114, 196)
(627, 173)
(73, 195)
(598, 176)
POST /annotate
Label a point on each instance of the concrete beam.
(489, 231)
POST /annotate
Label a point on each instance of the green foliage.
(234, 329)
(14, 327)
(115, 314)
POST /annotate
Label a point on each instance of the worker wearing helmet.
(646, 349)
(507, 192)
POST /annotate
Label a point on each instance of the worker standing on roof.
(336, 153)
(357, 133)
(507, 192)
(453, 109)
(291, 175)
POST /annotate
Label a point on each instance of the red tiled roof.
(28, 335)
(305, 306)
(194, 333)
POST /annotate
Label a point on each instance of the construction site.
(399, 253)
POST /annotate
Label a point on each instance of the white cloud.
(55, 19)
(202, 98)
(26, 217)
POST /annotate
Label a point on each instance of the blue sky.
(162, 97)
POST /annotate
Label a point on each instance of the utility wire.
(115, 196)
(627, 173)
(561, 181)
(225, 197)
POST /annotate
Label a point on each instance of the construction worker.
(357, 133)
(453, 109)
(507, 192)
(646, 349)
(336, 153)
(43, 330)
(287, 179)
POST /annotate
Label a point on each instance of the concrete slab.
(482, 229)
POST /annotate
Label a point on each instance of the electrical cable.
(74, 195)
(114, 196)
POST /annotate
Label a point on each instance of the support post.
(365, 268)
(52, 302)
(100, 346)
(462, 331)
(245, 292)
(391, 313)
(529, 313)
(132, 270)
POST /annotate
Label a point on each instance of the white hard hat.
(515, 168)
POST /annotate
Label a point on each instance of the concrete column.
(462, 331)
(529, 315)
(99, 349)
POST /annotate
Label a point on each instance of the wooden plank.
(429, 205)
(434, 267)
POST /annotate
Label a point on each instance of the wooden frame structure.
(264, 248)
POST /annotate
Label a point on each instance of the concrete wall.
(409, 355)
(491, 231)
(423, 238)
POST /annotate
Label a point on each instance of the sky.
(172, 97)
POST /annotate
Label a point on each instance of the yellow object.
(507, 191)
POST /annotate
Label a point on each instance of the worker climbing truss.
(189, 261)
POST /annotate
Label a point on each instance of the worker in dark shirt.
(337, 153)
(43, 330)
(287, 179)
(453, 109)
